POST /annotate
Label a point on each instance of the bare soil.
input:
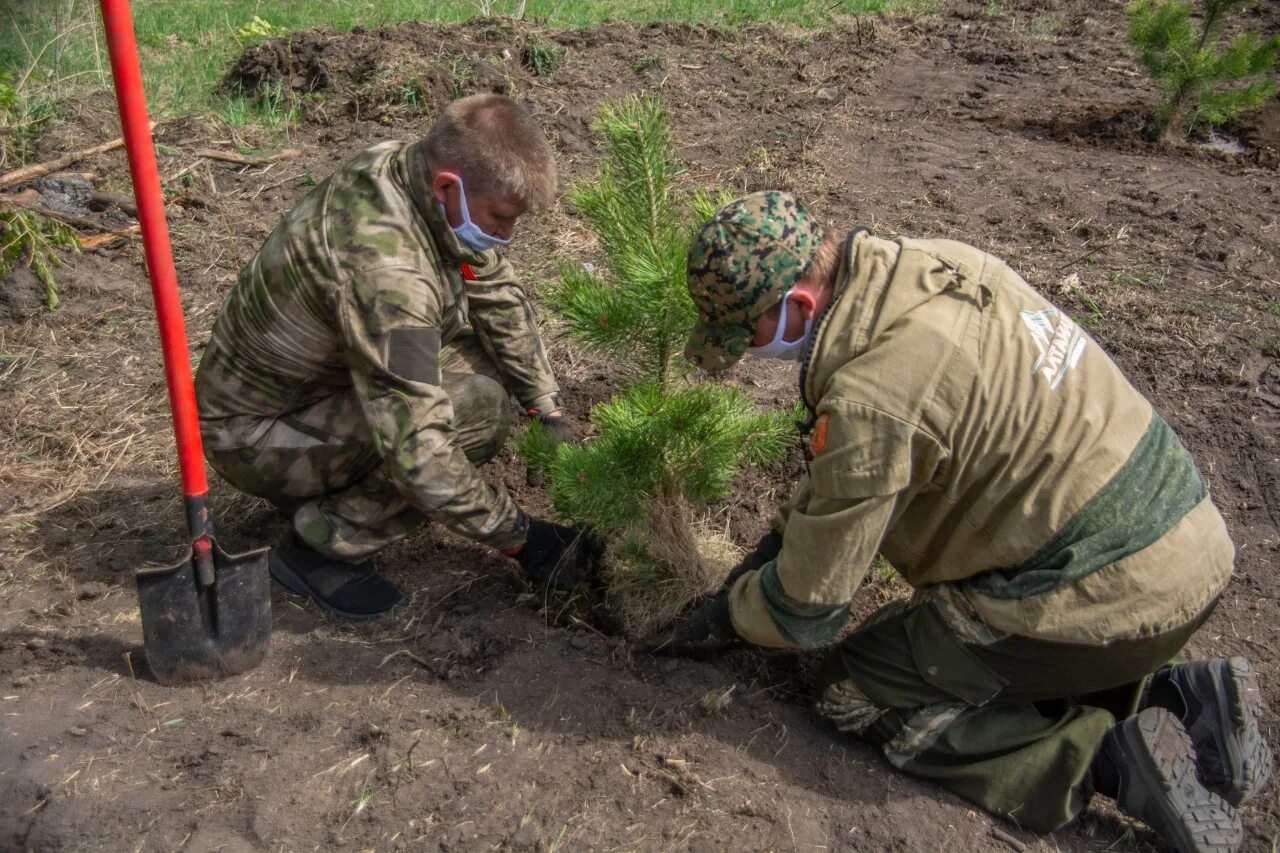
(487, 715)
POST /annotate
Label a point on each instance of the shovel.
(210, 615)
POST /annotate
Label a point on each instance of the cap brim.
(716, 348)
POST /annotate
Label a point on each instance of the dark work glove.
(705, 630)
(558, 555)
(558, 428)
(768, 548)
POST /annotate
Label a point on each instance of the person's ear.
(441, 185)
(805, 302)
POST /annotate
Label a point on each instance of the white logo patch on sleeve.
(1059, 340)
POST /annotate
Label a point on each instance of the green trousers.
(320, 462)
(1009, 723)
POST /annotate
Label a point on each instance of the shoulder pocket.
(866, 453)
(413, 353)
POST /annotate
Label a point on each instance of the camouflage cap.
(749, 254)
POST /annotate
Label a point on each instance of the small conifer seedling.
(664, 445)
(1204, 81)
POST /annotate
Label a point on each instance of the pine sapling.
(1204, 81)
(663, 446)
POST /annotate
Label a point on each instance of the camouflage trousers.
(1009, 723)
(320, 464)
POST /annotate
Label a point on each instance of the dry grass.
(80, 415)
(684, 559)
(61, 432)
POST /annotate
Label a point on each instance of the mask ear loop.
(765, 349)
(462, 201)
(779, 347)
(779, 332)
(463, 208)
(467, 225)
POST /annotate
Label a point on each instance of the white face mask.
(778, 348)
(468, 232)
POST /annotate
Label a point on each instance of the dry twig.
(76, 221)
(29, 173)
(247, 159)
(1001, 835)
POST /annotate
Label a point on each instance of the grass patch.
(57, 45)
(541, 58)
(1044, 27)
(1139, 277)
(1267, 306)
(271, 107)
(22, 119)
(885, 570)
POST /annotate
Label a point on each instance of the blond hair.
(497, 147)
(822, 269)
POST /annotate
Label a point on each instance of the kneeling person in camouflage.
(1062, 545)
(360, 368)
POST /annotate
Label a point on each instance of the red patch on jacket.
(818, 438)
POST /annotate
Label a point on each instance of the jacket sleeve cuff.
(751, 617)
(512, 537)
(544, 403)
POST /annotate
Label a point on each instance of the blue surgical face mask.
(468, 232)
(778, 348)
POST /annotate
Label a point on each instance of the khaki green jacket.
(354, 293)
(982, 441)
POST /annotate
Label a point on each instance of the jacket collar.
(845, 328)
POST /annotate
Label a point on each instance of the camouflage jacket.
(976, 436)
(323, 308)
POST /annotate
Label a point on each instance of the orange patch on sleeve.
(818, 438)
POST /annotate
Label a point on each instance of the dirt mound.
(398, 74)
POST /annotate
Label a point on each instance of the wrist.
(522, 524)
(547, 404)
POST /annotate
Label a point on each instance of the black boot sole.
(293, 582)
(1247, 765)
(1159, 787)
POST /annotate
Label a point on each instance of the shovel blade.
(194, 632)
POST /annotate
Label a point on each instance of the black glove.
(559, 555)
(707, 629)
(766, 549)
(558, 428)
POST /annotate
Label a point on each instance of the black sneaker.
(351, 591)
(1220, 705)
(1145, 764)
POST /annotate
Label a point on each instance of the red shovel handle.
(118, 22)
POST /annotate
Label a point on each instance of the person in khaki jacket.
(1061, 543)
(361, 367)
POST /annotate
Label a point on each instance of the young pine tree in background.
(662, 446)
(1205, 82)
